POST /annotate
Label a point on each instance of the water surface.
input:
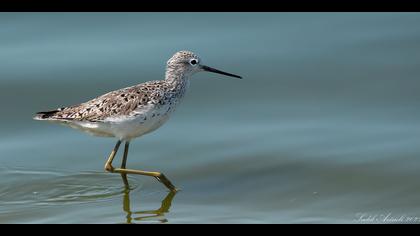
(324, 127)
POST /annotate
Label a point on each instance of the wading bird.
(134, 111)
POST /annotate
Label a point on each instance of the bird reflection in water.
(157, 215)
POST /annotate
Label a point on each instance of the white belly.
(130, 129)
(127, 127)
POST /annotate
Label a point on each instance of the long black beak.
(209, 69)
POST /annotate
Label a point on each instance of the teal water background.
(324, 127)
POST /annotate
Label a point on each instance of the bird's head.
(187, 63)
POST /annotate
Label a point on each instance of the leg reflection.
(150, 215)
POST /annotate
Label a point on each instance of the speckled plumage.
(133, 111)
(122, 102)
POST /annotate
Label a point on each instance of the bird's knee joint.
(109, 168)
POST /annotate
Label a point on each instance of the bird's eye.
(193, 62)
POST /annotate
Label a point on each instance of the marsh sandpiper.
(134, 111)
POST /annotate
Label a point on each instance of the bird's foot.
(161, 178)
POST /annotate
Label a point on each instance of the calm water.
(324, 128)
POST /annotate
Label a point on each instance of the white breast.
(143, 121)
(140, 122)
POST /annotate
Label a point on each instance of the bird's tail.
(45, 115)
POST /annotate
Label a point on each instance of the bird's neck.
(177, 82)
(175, 77)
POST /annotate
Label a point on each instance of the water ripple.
(45, 187)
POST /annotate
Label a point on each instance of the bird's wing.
(116, 103)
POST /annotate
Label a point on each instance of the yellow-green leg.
(123, 171)
(124, 163)
(108, 164)
(159, 176)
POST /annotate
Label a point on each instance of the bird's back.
(136, 110)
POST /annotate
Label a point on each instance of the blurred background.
(324, 127)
